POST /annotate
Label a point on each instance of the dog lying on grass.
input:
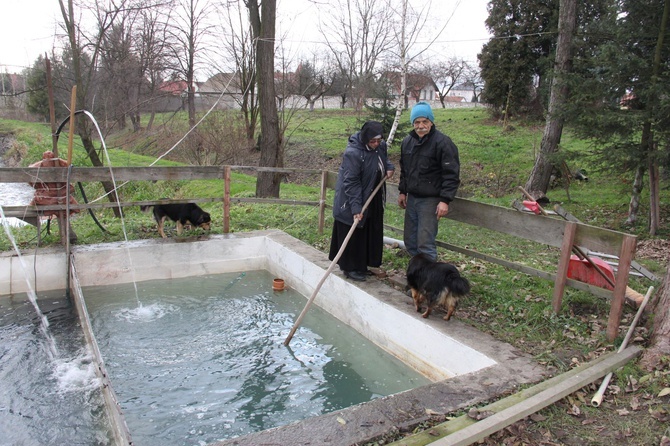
(183, 214)
(435, 283)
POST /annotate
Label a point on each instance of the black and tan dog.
(436, 283)
(184, 214)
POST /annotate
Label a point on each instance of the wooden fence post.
(322, 200)
(226, 200)
(563, 263)
(626, 254)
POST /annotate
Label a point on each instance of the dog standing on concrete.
(436, 283)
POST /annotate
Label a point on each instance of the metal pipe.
(393, 241)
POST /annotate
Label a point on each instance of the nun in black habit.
(364, 163)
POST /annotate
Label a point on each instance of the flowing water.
(203, 359)
(15, 194)
(44, 401)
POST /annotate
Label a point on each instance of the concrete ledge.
(479, 367)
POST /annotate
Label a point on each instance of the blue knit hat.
(421, 110)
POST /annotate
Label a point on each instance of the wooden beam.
(620, 286)
(322, 200)
(226, 200)
(523, 404)
(563, 264)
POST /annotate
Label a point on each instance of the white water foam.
(76, 374)
(148, 313)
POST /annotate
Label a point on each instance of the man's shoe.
(355, 275)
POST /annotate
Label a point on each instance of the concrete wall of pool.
(465, 365)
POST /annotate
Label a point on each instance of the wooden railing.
(550, 231)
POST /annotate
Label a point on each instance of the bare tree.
(473, 78)
(239, 49)
(121, 73)
(406, 37)
(85, 50)
(188, 29)
(540, 177)
(357, 36)
(263, 18)
(151, 47)
(447, 74)
(311, 83)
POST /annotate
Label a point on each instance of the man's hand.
(442, 210)
(402, 201)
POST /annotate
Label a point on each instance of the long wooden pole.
(70, 141)
(52, 107)
(598, 397)
(332, 265)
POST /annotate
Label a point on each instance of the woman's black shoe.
(355, 275)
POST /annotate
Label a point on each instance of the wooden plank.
(226, 200)
(538, 228)
(20, 211)
(322, 200)
(563, 264)
(506, 417)
(153, 173)
(620, 286)
(596, 291)
(94, 174)
(449, 427)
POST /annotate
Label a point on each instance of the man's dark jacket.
(429, 166)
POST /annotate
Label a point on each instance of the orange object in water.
(532, 206)
(583, 271)
(278, 284)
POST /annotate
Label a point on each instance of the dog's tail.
(145, 208)
(459, 285)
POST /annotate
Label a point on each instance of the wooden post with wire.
(563, 264)
(332, 265)
(52, 107)
(226, 200)
(322, 200)
(73, 108)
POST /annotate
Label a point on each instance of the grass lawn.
(509, 305)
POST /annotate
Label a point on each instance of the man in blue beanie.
(429, 179)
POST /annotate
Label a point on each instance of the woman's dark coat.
(357, 178)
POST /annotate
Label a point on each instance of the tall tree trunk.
(83, 128)
(660, 335)
(263, 27)
(541, 175)
(654, 198)
(634, 205)
(654, 191)
(403, 76)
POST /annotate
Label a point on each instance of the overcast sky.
(27, 28)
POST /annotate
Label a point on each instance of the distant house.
(227, 83)
(223, 89)
(419, 86)
(454, 99)
(466, 90)
(173, 88)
